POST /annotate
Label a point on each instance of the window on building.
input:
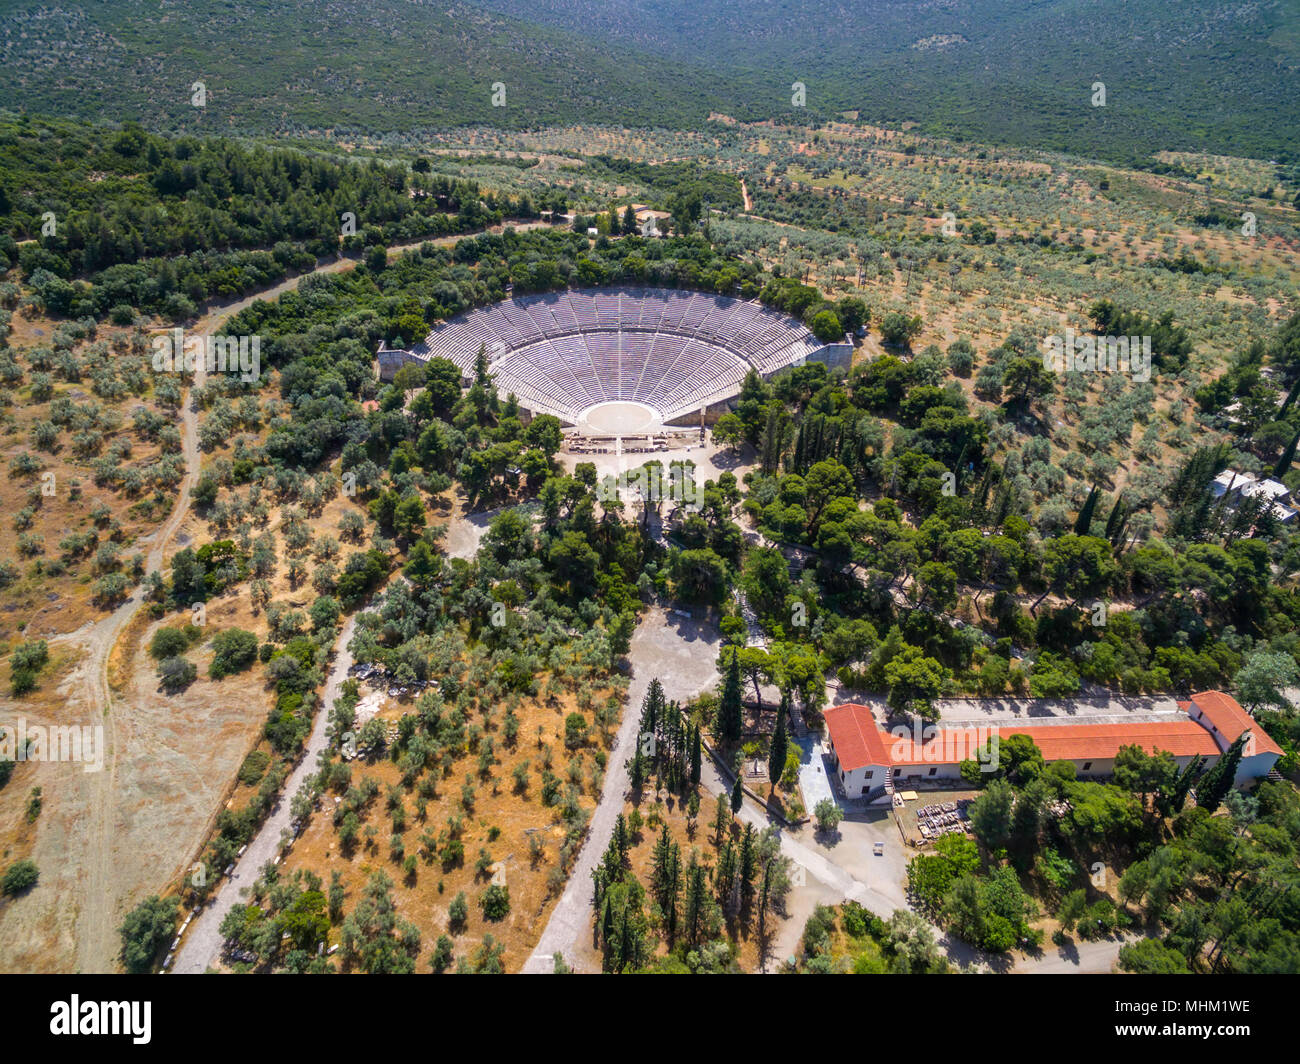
(1087, 765)
(933, 771)
(870, 772)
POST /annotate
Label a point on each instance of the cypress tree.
(636, 769)
(1286, 403)
(770, 445)
(737, 796)
(731, 709)
(748, 853)
(660, 861)
(799, 444)
(780, 744)
(621, 840)
(1178, 795)
(1288, 456)
(1001, 505)
(695, 756)
(1112, 521)
(764, 893)
(724, 878)
(1217, 782)
(651, 707)
(607, 926)
(696, 896)
(628, 951)
(1084, 521)
(672, 888)
(721, 818)
(1117, 540)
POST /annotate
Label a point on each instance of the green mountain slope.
(336, 64)
(1217, 75)
(1213, 74)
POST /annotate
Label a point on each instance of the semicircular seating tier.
(675, 351)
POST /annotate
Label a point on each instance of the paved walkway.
(682, 655)
(813, 780)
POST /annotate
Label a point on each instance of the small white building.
(1230, 481)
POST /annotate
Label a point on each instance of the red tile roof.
(855, 736)
(859, 741)
(1230, 720)
(1100, 742)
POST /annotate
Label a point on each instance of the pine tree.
(780, 745)
(1189, 495)
(624, 928)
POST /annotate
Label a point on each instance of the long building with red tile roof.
(865, 753)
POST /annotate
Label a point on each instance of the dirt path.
(203, 941)
(97, 917)
(219, 314)
(100, 885)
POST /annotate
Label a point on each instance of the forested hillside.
(340, 65)
(1217, 75)
(1193, 73)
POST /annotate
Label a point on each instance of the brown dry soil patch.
(498, 811)
(51, 602)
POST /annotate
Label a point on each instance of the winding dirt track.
(96, 901)
(203, 941)
(95, 944)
